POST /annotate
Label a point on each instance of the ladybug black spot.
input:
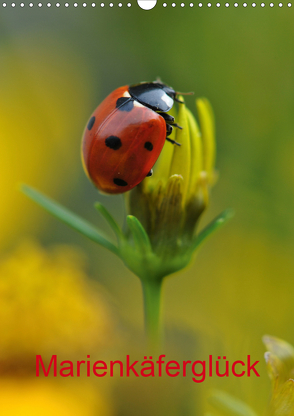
(91, 123)
(113, 142)
(119, 182)
(148, 146)
(125, 104)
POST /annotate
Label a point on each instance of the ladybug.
(126, 134)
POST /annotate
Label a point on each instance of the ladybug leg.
(172, 141)
(168, 118)
(169, 129)
(176, 125)
(169, 121)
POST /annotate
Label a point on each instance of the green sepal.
(69, 218)
(215, 224)
(141, 239)
(110, 220)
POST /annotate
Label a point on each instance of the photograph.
(147, 233)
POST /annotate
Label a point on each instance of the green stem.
(151, 293)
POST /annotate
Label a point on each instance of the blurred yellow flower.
(27, 397)
(48, 306)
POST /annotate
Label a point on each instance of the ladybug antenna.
(184, 93)
(158, 79)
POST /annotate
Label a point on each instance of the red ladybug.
(126, 134)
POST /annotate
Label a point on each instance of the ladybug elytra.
(125, 135)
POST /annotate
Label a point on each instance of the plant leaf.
(141, 238)
(69, 218)
(215, 224)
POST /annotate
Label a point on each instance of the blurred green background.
(56, 66)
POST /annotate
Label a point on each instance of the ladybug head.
(169, 91)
